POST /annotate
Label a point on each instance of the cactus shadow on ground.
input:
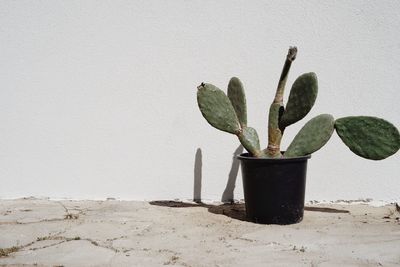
(235, 211)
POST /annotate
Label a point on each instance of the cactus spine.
(369, 137)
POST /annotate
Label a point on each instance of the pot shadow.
(227, 195)
(323, 209)
(235, 211)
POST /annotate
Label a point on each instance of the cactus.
(314, 135)
(238, 99)
(223, 114)
(250, 141)
(368, 137)
(217, 108)
(301, 99)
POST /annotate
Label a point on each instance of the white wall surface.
(98, 98)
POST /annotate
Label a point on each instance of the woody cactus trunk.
(368, 137)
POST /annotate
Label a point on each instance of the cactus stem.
(291, 56)
(274, 149)
(275, 111)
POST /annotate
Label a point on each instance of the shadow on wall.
(227, 195)
(198, 165)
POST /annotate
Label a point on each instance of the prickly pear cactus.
(238, 99)
(220, 112)
(217, 108)
(301, 99)
(314, 135)
(369, 137)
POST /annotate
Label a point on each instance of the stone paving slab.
(40, 232)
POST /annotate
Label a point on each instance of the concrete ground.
(37, 232)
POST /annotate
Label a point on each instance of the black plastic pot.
(274, 188)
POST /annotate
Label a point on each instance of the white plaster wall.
(98, 98)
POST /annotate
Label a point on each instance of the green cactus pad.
(369, 137)
(301, 99)
(217, 108)
(314, 135)
(249, 139)
(238, 99)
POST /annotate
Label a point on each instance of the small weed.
(70, 216)
(5, 252)
(302, 249)
(172, 260)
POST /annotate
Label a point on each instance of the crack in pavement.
(107, 244)
(5, 252)
(69, 239)
(67, 216)
(35, 222)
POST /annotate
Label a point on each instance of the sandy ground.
(36, 232)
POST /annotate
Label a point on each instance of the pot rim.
(246, 156)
